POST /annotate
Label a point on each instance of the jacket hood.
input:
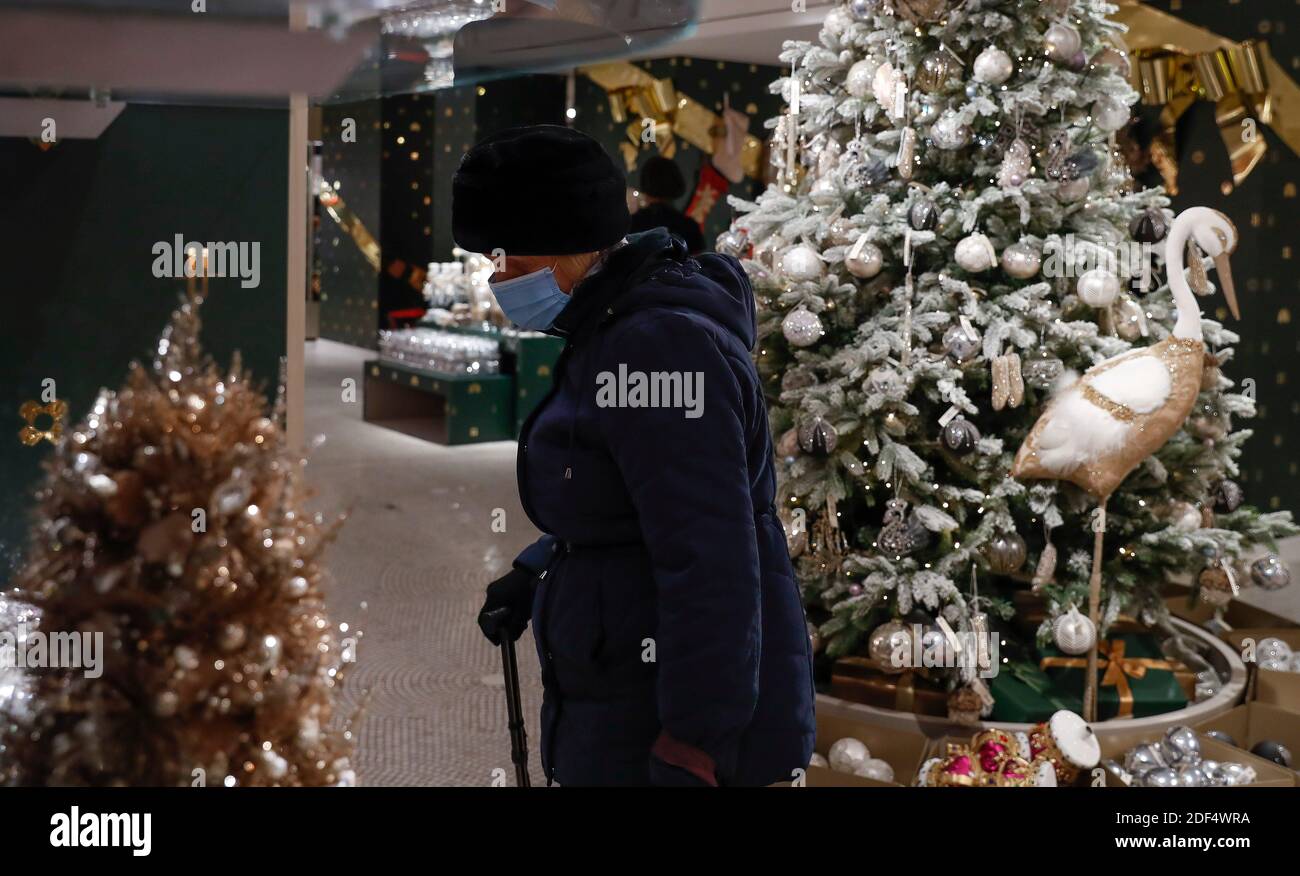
(653, 269)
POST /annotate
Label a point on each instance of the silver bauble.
(1213, 772)
(960, 435)
(1005, 552)
(1098, 287)
(1144, 757)
(923, 215)
(818, 436)
(1192, 775)
(862, 10)
(732, 242)
(802, 328)
(1061, 42)
(950, 132)
(875, 768)
(1128, 319)
(1228, 496)
(1237, 773)
(823, 192)
(974, 253)
(1110, 114)
(993, 66)
(836, 22)
(1273, 648)
(1040, 369)
(857, 81)
(885, 641)
(959, 345)
(1021, 260)
(1160, 777)
(802, 263)
(846, 755)
(1181, 744)
(1113, 58)
(1270, 573)
(864, 261)
(1074, 632)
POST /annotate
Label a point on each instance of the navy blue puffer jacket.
(666, 614)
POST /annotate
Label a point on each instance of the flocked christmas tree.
(952, 234)
(171, 521)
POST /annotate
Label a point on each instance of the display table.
(446, 408)
(458, 384)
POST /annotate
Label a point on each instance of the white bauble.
(818, 760)
(1098, 287)
(802, 262)
(875, 768)
(864, 260)
(1110, 114)
(975, 253)
(1074, 633)
(1021, 260)
(1062, 42)
(993, 66)
(859, 79)
(802, 327)
(847, 754)
(837, 21)
(823, 192)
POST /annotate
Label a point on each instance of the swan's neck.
(1188, 325)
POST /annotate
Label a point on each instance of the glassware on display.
(434, 350)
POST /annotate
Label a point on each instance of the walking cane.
(514, 709)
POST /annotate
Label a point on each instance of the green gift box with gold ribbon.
(1134, 678)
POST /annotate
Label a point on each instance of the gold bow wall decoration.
(1176, 64)
(633, 92)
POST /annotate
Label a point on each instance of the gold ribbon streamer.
(1119, 669)
(350, 222)
(634, 92)
(1176, 64)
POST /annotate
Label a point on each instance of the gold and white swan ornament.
(1098, 429)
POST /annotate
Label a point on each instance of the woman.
(667, 619)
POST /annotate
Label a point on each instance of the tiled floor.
(409, 570)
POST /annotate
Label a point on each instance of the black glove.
(508, 606)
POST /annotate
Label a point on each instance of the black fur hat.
(538, 190)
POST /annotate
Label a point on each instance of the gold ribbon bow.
(1176, 64)
(1119, 669)
(634, 92)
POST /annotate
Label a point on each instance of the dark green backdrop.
(76, 231)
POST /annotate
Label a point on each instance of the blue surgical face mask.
(532, 301)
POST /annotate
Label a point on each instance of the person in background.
(661, 184)
(672, 640)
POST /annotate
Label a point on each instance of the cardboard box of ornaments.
(899, 748)
(1250, 724)
(1268, 685)
(1114, 746)
(1267, 773)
